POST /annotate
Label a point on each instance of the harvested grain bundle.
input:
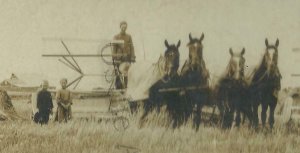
(7, 111)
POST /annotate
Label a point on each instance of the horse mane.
(259, 71)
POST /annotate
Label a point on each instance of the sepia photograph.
(150, 76)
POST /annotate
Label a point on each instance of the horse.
(158, 92)
(232, 90)
(265, 84)
(194, 74)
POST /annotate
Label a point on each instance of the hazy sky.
(225, 23)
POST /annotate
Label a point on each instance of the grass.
(93, 137)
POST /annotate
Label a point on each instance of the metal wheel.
(121, 123)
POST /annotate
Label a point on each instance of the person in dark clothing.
(44, 104)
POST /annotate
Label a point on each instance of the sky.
(26, 25)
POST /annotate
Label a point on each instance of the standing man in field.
(44, 104)
(64, 102)
(123, 56)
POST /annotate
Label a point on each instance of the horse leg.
(147, 108)
(172, 110)
(238, 117)
(228, 116)
(189, 108)
(183, 104)
(248, 114)
(197, 117)
(157, 105)
(181, 113)
(243, 117)
(222, 113)
(175, 117)
(271, 115)
(133, 107)
(264, 113)
(255, 114)
(246, 110)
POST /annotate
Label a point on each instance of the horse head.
(236, 65)
(195, 50)
(270, 58)
(171, 58)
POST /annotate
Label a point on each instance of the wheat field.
(80, 136)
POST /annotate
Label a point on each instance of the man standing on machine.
(123, 56)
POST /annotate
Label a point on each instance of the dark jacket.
(127, 50)
(44, 101)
